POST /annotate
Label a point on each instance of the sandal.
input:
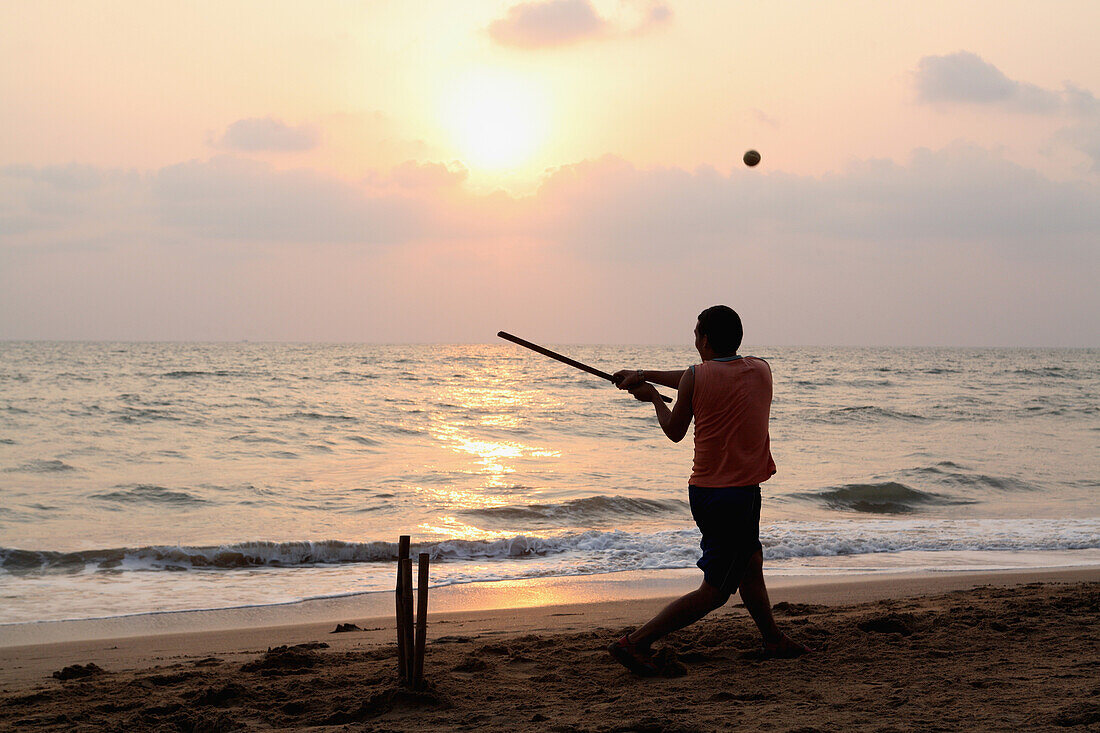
(785, 648)
(632, 658)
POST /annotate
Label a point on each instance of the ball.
(752, 158)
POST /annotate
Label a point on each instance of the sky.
(567, 170)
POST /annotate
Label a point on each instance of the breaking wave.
(585, 552)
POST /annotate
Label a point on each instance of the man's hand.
(627, 378)
(645, 392)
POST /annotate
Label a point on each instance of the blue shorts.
(729, 519)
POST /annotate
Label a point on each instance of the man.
(729, 396)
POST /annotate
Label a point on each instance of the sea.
(155, 477)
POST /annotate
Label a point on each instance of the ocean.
(152, 477)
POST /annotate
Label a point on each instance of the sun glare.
(497, 121)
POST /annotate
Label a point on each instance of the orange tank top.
(732, 402)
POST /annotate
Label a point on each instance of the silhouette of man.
(729, 396)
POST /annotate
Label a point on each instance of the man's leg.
(755, 595)
(685, 610)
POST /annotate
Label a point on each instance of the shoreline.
(502, 609)
(475, 596)
(530, 591)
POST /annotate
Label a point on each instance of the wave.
(256, 439)
(588, 508)
(182, 557)
(138, 414)
(41, 466)
(862, 413)
(399, 430)
(585, 552)
(356, 375)
(185, 373)
(951, 474)
(320, 416)
(813, 383)
(149, 494)
(1052, 371)
(888, 497)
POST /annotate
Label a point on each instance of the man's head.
(718, 331)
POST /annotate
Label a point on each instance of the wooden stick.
(402, 553)
(563, 359)
(421, 620)
(407, 616)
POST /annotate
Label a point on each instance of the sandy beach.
(987, 651)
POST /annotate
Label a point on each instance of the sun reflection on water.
(492, 460)
(454, 528)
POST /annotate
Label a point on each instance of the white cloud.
(413, 174)
(1085, 137)
(256, 134)
(965, 77)
(954, 242)
(545, 23)
(235, 199)
(962, 194)
(1081, 102)
(54, 206)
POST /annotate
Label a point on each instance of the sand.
(980, 651)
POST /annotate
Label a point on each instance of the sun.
(496, 120)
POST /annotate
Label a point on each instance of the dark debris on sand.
(287, 659)
(1021, 659)
(77, 671)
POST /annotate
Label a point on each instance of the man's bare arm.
(674, 422)
(629, 377)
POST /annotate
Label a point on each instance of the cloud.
(653, 15)
(1081, 102)
(960, 244)
(961, 195)
(413, 174)
(546, 23)
(965, 77)
(230, 198)
(1085, 137)
(1084, 133)
(61, 205)
(658, 13)
(267, 134)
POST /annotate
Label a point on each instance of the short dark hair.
(722, 327)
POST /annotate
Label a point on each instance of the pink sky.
(567, 170)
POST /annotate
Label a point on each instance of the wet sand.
(986, 651)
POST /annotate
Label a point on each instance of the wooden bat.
(563, 359)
